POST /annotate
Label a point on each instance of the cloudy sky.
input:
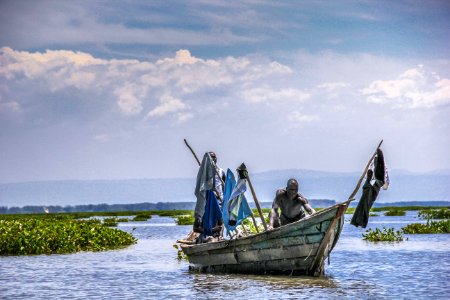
(109, 89)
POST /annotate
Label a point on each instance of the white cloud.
(332, 86)
(297, 117)
(135, 85)
(266, 94)
(168, 104)
(184, 117)
(13, 106)
(128, 102)
(414, 88)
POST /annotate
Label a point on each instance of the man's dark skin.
(290, 202)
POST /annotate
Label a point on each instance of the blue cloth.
(235, 207)
(212, 213)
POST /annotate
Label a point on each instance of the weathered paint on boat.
(297, 248)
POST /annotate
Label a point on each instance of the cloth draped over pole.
(205, 182)
(207, 207)
(376, 178)
(235, 207)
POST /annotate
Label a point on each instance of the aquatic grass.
(431, 227)
(428, 214)
(410, 208)
(180, 253)
(47, 236)
(395, 212)
(172, 213)
(110, 222)
(185, 220)
(373, 214)
(142, 217)
(385, 235)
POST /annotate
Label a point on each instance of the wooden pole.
(243, 171)
(193, 153)
(214, 166)
(254, 223)
(352, 195)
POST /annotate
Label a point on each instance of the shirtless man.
(291, 203)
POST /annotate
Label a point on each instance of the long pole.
(192, 151)
(243, 171)
(352, 195)
(214, 166)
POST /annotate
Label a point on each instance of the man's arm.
(306, 204)
(274, 216)
(309, 209)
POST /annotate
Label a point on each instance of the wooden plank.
(283, 266)
(274, 243)
(298, 226)
(255, 255)
(317, 266)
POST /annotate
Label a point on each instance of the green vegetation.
(142, 217)
(110, 222)
(404, 208)
(373, 214)
(350, 211)
(172, 213)
(431, 227)
(385, 235)
(180, 253)
(185, 220)
(45, 235)
(428, 214)
(442, 226)
(394, 212)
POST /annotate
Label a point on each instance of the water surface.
(418, 268)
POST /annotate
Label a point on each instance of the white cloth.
(220, 174)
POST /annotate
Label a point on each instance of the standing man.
(291, 203)
(209, 192)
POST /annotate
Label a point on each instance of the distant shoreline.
(147, 206)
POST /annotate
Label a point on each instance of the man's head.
(292, 188)
(213, 156)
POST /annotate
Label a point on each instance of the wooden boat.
(297, 248)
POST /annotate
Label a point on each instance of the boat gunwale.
(199, 248)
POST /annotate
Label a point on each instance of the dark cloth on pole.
(374, 181)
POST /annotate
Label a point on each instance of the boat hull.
(297, 248)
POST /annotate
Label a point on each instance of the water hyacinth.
(185, 220)
(47, 236)
(385, 235)
(395, 212)
(442, 226)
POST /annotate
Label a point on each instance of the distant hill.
(315, 203)
(405, 186)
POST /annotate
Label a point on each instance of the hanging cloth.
(375, 179)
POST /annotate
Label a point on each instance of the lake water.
(418, 268)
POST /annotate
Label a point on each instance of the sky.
(109, 89)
